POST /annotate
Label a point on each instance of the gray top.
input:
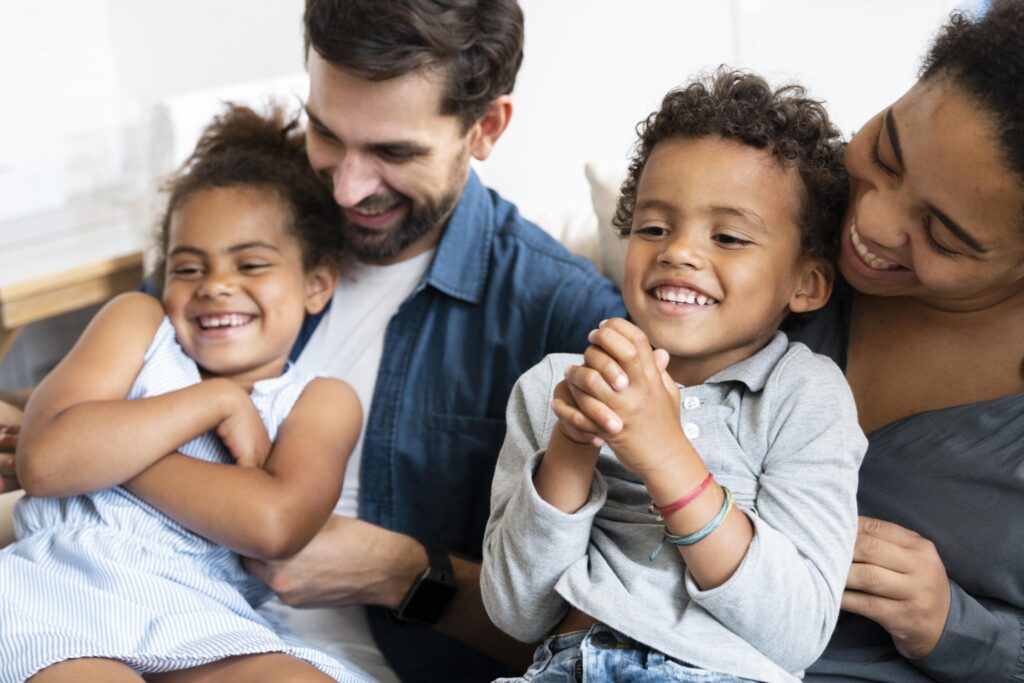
(955, 476)
(780, 429)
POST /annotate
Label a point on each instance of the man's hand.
(898, 580)
(349, 562)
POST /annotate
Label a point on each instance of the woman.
(929, 335)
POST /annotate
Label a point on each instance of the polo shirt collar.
(461, 263)
(754, 371)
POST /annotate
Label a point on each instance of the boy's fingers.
(597, 358)
(589, 381)
(597, 412)
(625, 343)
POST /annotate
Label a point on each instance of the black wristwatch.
(431, 592)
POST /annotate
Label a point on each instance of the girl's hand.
(898, 580)
(8, 442)
(638, 417)
(242, 429)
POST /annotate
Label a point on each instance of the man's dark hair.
(740, 106)
(244, 149)
(985, 57)
(476, 44)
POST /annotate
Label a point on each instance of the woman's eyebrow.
(956, 230)
(894, 137)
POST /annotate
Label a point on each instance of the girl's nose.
(217, 285)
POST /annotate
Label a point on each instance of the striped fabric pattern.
(106, 575)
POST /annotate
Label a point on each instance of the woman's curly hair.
(740, 106)
(266, 152)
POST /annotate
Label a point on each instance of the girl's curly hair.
(243, 148)
(740, 106)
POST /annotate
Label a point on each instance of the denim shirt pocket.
(462, 456)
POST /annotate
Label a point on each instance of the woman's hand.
(898, 580)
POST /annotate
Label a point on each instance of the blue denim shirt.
(499, 295)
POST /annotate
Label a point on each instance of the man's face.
(394, 163)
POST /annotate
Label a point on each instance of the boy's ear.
(320, 283)
(814, 287)
(488, 128)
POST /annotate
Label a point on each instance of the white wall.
(82, 83)
(594, 68)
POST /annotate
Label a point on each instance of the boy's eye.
(731, 240)
(254, 266)
(651, 231)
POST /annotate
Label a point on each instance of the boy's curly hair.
(740, 106)
(266, 152)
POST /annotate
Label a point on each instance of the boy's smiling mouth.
(681, 295)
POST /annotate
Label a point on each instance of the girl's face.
(234, 289)
(935, 213)
(714, 262)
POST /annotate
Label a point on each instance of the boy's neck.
(691, 371)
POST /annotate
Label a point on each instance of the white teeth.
(683, 296)
(870, 258)
(227, 320)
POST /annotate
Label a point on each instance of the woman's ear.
(488, 128)
(814, 287)
(320, 283)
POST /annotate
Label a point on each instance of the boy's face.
(713, 263)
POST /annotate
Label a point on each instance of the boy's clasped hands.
(622, 395)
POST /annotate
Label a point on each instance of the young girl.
(747, 444)
(192, 407)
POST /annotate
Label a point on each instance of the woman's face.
(935, 213)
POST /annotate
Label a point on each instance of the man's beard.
(376, 245)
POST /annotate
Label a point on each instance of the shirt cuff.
(977, 644)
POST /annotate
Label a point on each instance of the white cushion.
(605, 180)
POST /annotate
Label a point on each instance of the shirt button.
(691, 402)
(691, 430)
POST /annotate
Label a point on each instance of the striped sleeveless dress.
(106, 575)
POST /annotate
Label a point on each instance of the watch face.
(428, 600)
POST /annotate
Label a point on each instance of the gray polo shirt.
(780, 429)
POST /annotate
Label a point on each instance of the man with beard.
(450, 297)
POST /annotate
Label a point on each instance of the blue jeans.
(604, 654)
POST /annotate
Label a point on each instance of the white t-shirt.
(348, 344)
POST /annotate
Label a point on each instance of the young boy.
(747, 445)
